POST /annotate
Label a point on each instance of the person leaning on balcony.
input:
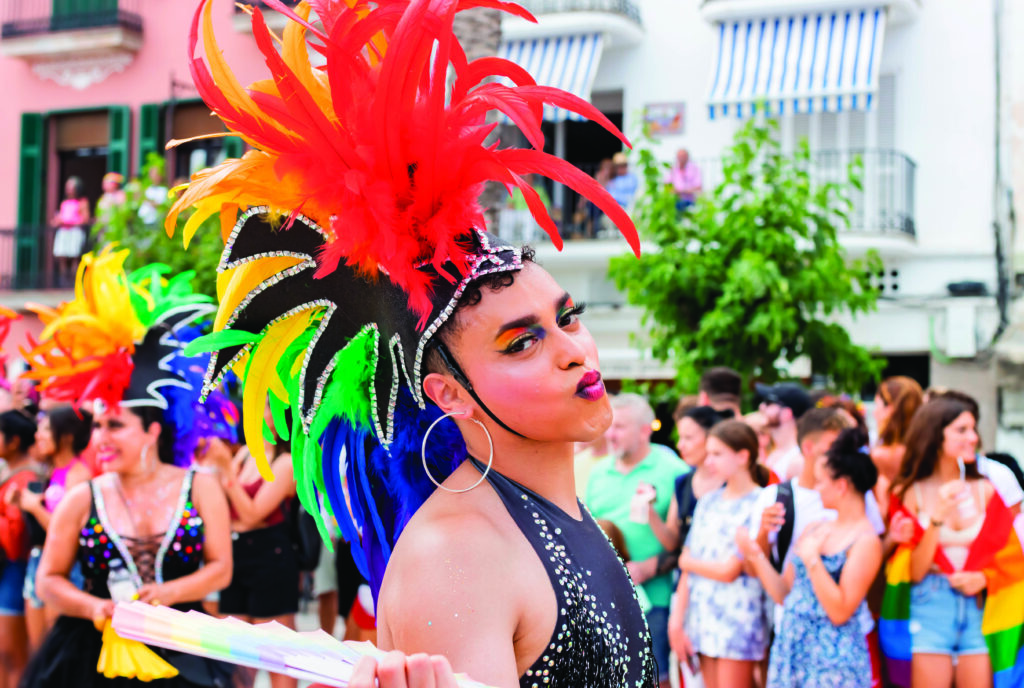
(686, 180)
(623, 184)
(71, 219)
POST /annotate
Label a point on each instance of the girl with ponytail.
(726, 625)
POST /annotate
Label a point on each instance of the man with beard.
(635, 479)
(782, 405)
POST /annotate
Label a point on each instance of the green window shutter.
(31, 176)
(151, 132)
(234, 146)
(31, 192)
(120, 139)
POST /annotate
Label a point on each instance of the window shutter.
(31, 177)
(151, 132)
(886, 106)
(858, 132)
(120, 139)
(234, 146)
(801, 129)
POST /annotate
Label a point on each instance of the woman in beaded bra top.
(438, 378)
(145, 527)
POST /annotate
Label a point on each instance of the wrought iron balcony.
(884, 206)
(275, 20)
(22, 18)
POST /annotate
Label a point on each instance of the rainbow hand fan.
(312, 656)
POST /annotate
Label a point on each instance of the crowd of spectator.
(759, 551)
(51, 454)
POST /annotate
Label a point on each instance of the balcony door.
(81, 14)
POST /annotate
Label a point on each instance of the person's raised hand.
(642, 571)
(772, 519)
(398, 670)
(214, 452)
(949, 496)
(901, 528)
(808, 547)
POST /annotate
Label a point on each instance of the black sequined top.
(151, 559)
(601, 638)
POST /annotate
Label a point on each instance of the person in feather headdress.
(149, 527)
(438, 372)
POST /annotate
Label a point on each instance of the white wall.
(943, 61)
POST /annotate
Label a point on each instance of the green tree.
(125, 224)
(753, 275)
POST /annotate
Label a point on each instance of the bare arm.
(252, 511)
(59, 556)
(215, 573)
(923, 556)
(725, 571)
(35, 504)
(841, 600)
(776, 584)
(666, 531)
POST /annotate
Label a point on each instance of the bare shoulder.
(447, 531)
(75, 504)
(205, 485)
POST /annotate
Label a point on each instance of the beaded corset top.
(149, 559)
(600, 638)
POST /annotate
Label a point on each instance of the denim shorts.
(11, 581)
(944, 622)
(29, 590)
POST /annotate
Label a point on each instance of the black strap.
(784, 496)
(460, 377)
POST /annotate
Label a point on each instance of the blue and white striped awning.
(804, 63)
(565, 62)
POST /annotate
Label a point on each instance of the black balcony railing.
(626, 8)
(26, 259)
(33, 17)
(262, 5)
(883, 206)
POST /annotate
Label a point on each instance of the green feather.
(215, 341)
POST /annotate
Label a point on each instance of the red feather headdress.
(384, 148)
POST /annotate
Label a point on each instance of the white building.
(908, 85)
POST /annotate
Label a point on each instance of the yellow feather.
(243, 280)
(262, 374)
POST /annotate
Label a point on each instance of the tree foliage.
(149, 243)
(753, 275)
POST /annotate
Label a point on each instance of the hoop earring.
(144, 459)
(423, 454)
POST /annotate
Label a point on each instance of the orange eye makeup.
(507, 339)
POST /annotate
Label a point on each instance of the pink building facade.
(93, 86)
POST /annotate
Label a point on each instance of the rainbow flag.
(998, 553)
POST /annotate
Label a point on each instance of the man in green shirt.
(623, 487)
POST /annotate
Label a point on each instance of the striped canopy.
(565, 62)
(804, 63)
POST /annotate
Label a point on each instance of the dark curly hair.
(471, 296)
(848, 458)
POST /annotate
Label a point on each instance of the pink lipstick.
(590, 387)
